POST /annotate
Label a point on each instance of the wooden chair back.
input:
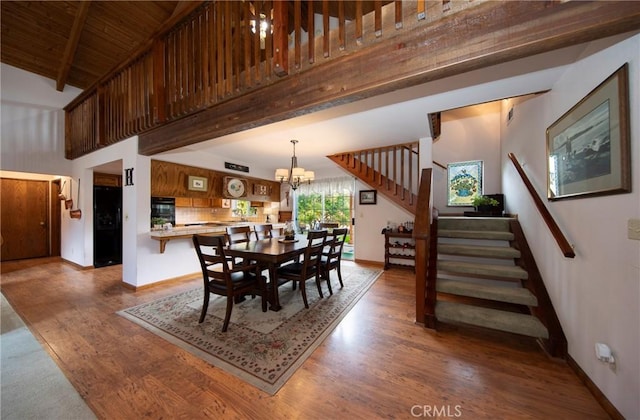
(263, 231)
(328, 225)
(238, 234)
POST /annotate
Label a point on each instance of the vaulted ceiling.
(74, 42)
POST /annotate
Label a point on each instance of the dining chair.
(332, 256)
(221, 279)
(301, 271)
(263, 231)
(237, 235)
(328, 225)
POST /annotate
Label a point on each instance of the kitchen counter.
(210, 228)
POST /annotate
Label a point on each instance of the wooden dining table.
(270, 254)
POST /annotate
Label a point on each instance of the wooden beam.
(489, 34)
(184, 9)
(72, 44)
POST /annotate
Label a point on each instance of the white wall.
(31, 114)
(472, 133)
(370, 220)
(597, 294)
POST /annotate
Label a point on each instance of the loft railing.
(216, 54)
(563, 243)
(392, 170)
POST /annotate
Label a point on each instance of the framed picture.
(197, 183)
(368, 197)
(588, 148)
(464, 182)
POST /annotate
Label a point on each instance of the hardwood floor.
(376, 364)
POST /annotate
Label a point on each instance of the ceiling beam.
(486, 35)
(72, 44)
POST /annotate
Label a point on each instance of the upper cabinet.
(175, 180)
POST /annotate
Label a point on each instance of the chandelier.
(295, 175)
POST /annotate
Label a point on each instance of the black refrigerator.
(107, 226)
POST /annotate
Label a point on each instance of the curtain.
(329, 186)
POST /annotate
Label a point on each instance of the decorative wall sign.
(197, 183)
(464, 182)
(128, 177)
(236, 167)
(588, 148)
(368, 197)
(234, 187)
(260, 189)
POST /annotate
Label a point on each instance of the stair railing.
(425, 312)
(563, 243)
(392, 170)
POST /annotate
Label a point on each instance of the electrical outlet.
(633, 229)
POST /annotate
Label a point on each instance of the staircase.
(486, 277)
(394, 171)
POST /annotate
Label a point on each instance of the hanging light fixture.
(295, 175)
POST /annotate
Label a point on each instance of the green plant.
(483, 200)
(158, 221)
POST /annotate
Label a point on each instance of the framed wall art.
(464, 182)
(368, 197)
(197, 183)
(588, 148)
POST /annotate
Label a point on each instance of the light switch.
(633, 228)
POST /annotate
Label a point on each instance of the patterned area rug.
(261, 348)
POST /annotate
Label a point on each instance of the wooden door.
(24, 224)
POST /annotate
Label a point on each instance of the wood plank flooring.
(376, 364)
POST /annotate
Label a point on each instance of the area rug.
(261, 348)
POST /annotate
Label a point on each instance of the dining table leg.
(273, 281)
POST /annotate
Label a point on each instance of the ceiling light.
(295, 175)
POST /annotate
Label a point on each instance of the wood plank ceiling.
(78, 42)
(74, 42)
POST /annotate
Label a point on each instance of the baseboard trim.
(374, 263)
(162, 282)
(76, 265)
(611, 410)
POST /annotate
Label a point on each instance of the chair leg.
(339, 274)
(318, 272)
(227, 315)
(304, 294)
(328, 277)
(205, 305)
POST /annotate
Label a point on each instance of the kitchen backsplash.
(192, 215)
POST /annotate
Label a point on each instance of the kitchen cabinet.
(224, 203)
(183, 202)
(107, 180)
(201, 202)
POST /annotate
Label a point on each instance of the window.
(325, 201)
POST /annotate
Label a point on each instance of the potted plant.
(157, 222)
(484, 204)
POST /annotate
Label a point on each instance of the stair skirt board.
(490, 318)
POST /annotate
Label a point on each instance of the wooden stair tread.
(512, 322)
(469, 268)
(479, 251)
(518, 295)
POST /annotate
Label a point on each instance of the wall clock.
(235, 187)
